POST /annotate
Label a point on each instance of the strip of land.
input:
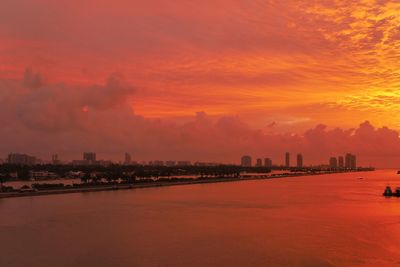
(106, 187)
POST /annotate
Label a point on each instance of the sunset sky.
(201, 80)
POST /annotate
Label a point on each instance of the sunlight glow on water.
(326, 220)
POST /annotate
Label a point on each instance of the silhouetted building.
(54, 159)
(21, 159)
(299, 161)
(341, 162)
(90, 157)
(128, 159)
(170, 163)
(42, 175)
(333, 162)
(287, 159)
(259, 163)
(184, 163)
(267, 162)
(246, 161)
(208, 164)
(350, 161)
(104, 163)
(80, 162)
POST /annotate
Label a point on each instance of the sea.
(322, 220)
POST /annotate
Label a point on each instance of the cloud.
(225, 57)
(59, 107)
(50, 119)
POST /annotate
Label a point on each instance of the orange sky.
(291, 64)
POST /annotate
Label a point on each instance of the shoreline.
(98, 188)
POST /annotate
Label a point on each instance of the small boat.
(397, 192)
(388, 192)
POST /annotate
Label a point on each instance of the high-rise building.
(90, 157)
(246, 161)
(287, 159)
(128, 159)
(333, 162)
(259, 163)
(350, 161)
(21, 159)
(267, 162)
(299, 161)
(54, 159)
(354, 162)
(341, 162)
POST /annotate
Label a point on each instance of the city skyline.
(90, 158)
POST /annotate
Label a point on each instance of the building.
(21, 159)
(246, 161)
(350, 161)
(354, 162)
(90, 157)
(287, 159)
(104, 163)
(55, 160)
(341, 162)
(206, 164)
(267, 162)
(170, 163)
(333, 163)
(128, 159)
(259, 163)
(42, 175)
(299, 161)
(156, 163)
(80, 162)
(184, 163)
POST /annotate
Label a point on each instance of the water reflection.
(327, 220)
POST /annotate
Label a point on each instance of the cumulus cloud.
(57, 118)
(59, 107)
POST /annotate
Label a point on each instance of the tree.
(85, 178)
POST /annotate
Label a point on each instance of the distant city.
(89, 171)
(348, 161)
(90, 158)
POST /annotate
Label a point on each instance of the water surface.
(325, 220)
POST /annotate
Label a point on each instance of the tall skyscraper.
(246, 161)
(90, 157)
(128, 159)
(333, 162)
(350, 161)
(267, 162)
(354, 162)
(287, 159)
(299, 161)
(259, 163)
(54, 159)
(341, 162)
